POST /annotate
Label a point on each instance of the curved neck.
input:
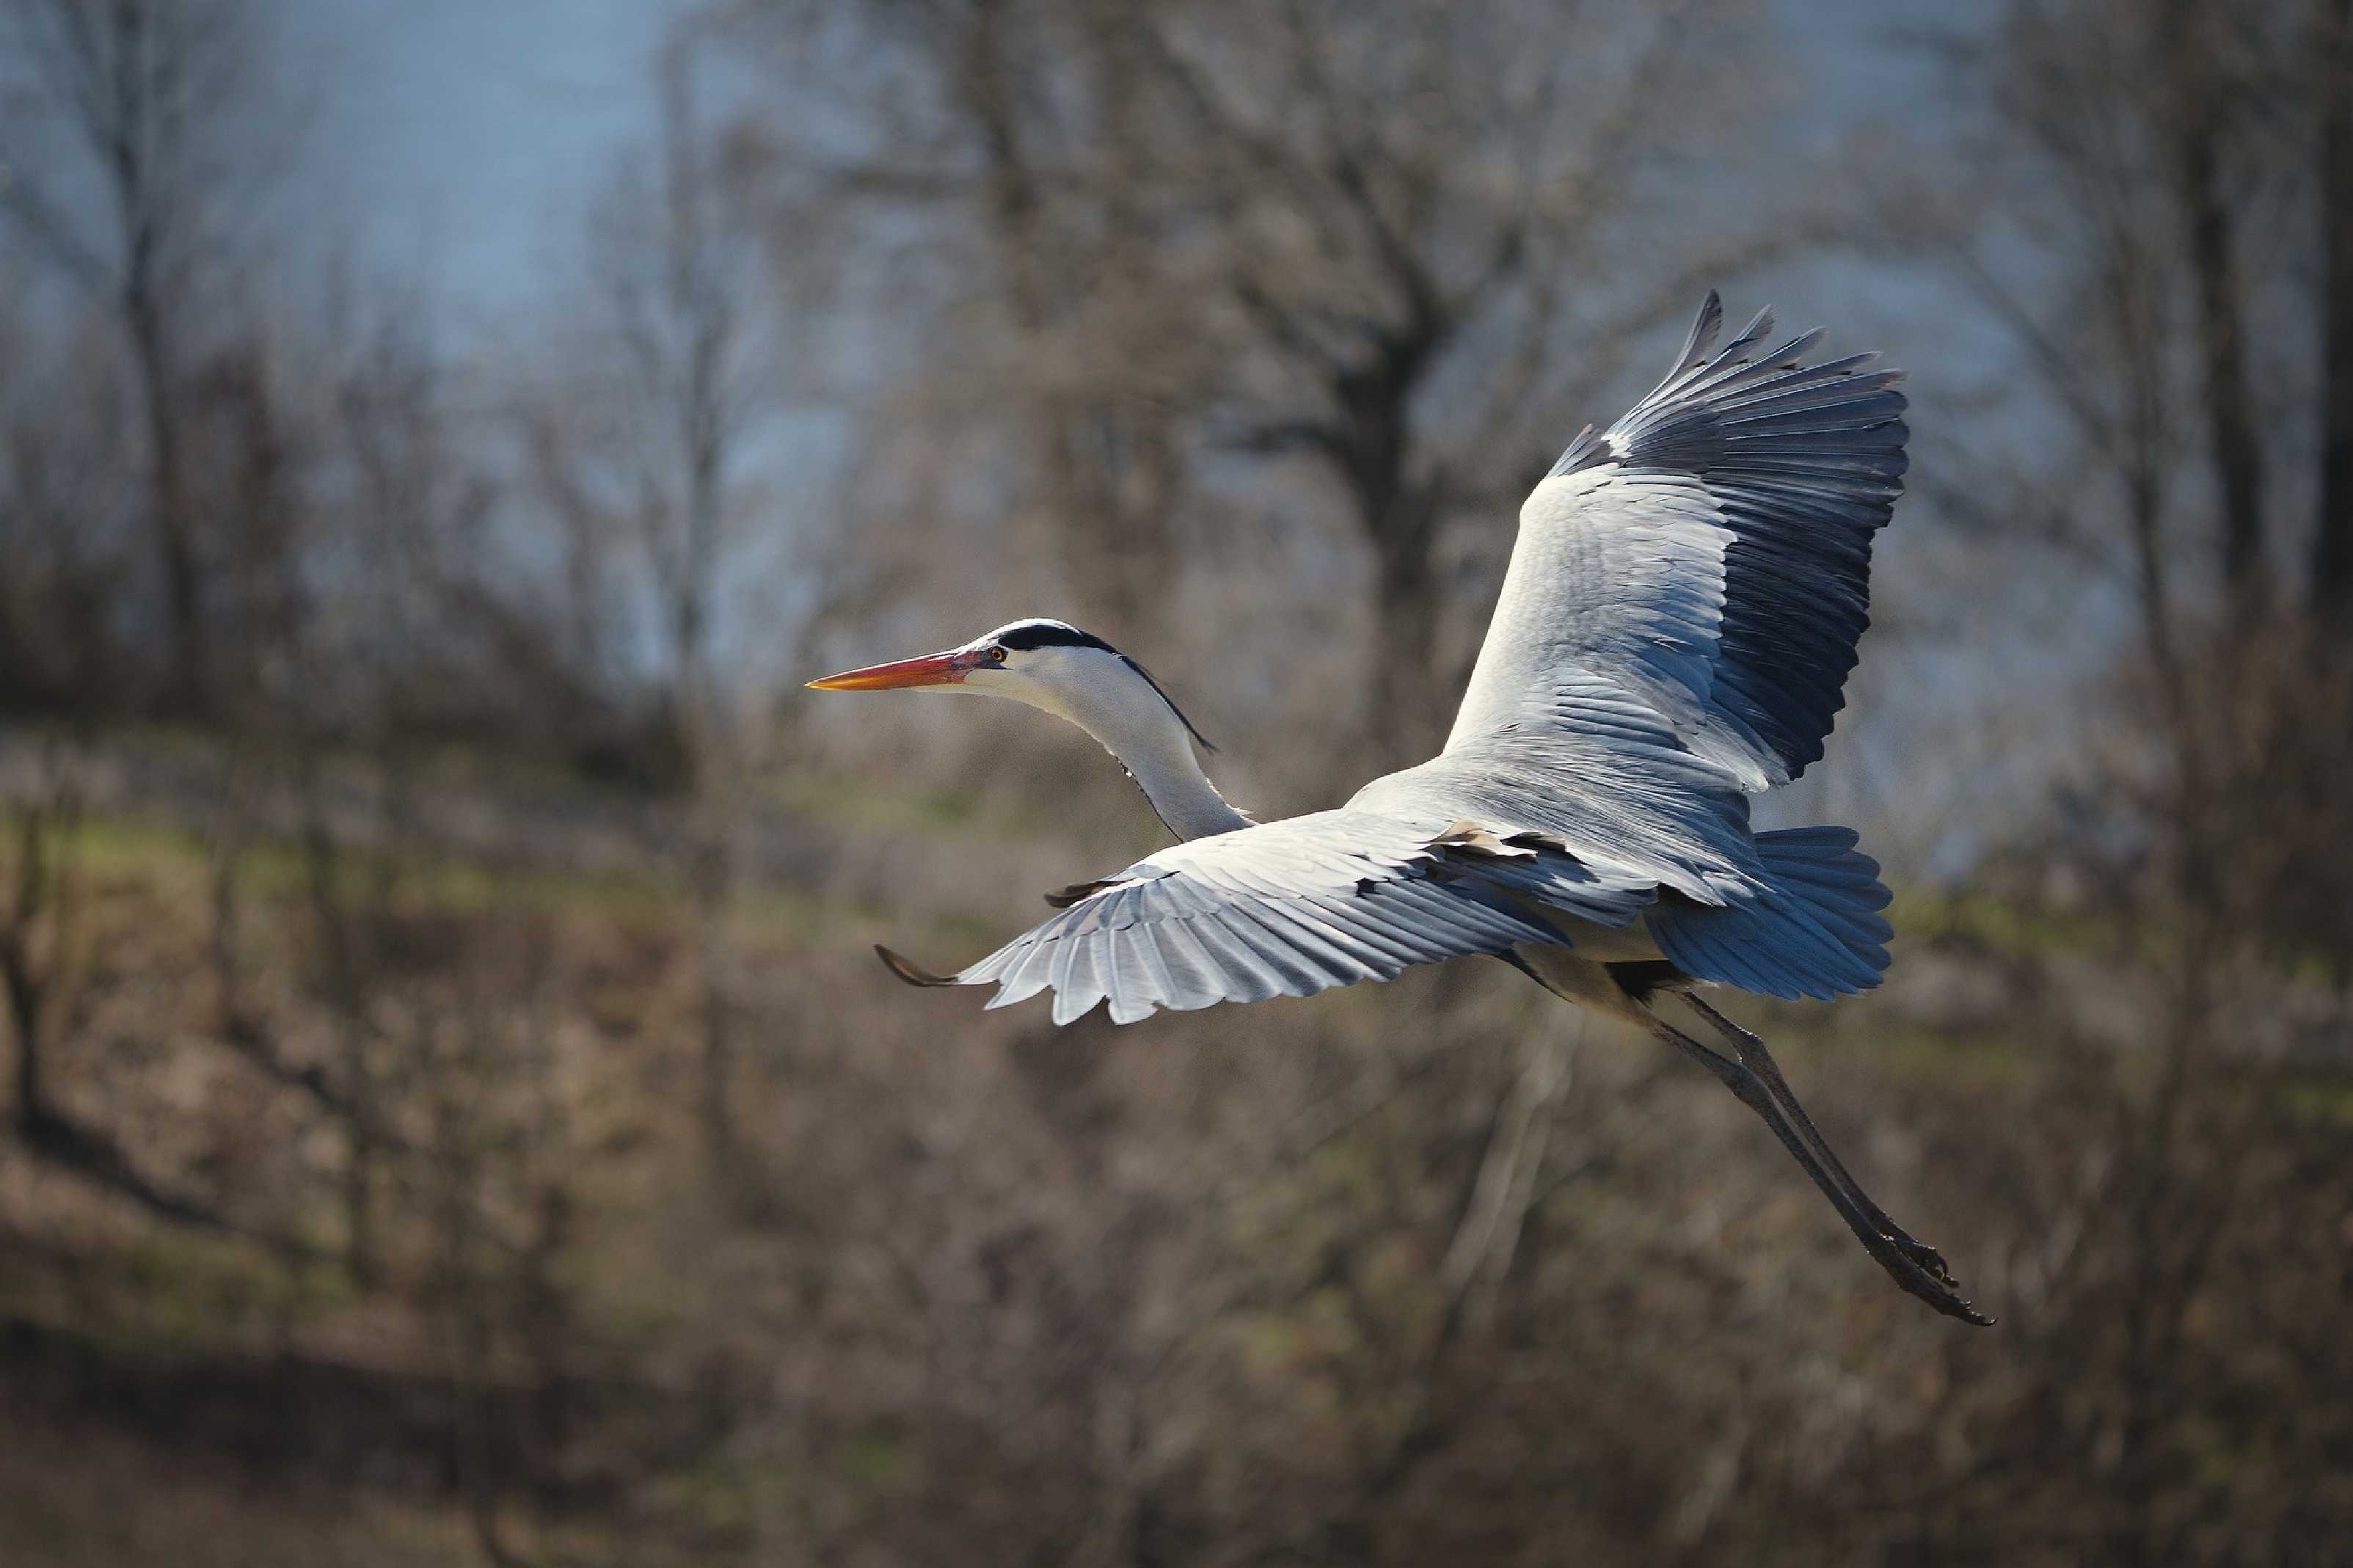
(1136, 726)
(1181, 794)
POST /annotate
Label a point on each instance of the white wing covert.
(1290, 908)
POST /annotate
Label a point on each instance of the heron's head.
(1050, 665)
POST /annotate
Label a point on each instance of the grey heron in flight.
(1673, 635)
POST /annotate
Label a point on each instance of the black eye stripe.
(1025, 637)
(1031, 635)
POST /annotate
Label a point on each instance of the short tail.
(1816, 931)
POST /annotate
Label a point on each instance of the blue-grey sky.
(456, 144)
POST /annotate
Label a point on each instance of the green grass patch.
(868, 806)
(2328, 1104)
(1922, 915)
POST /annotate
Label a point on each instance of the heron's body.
(1589, 977)
(1672, 635)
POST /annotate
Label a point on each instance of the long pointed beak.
(931, 669)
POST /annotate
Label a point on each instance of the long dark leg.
(1757, 1059)
(1645, 981)
(1859, 1212)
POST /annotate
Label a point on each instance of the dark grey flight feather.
(1710, 552)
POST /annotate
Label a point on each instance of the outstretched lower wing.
(1708, 555)
(1290, 908)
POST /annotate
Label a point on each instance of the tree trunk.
(2199, 114)
(1371, 442)
(24, 988)
(167, 500)
(2332, 553)
(126, 130)
(1407, 719)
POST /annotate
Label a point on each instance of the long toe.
(1940, 1293)
(1930, 1261)
(1954, 1305)
(1927, 1279)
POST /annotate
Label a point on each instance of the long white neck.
(1171, 778)
(1119, 708)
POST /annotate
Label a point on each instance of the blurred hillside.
(453, 1114)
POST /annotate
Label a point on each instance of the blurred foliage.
(452, 1114)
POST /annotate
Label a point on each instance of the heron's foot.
(1757, 1083)
(1930, 1261)
(1920, 1269)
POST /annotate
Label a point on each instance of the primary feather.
(1708, 555)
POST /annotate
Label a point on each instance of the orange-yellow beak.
(931, 669)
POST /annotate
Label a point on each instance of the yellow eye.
(997, 655)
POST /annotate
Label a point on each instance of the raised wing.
(1709, 555)
(1290, 908)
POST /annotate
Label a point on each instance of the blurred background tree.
(451, 1113)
